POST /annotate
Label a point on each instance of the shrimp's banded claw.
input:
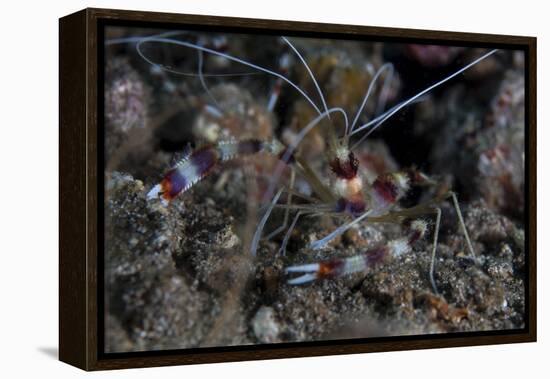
(196, 165)
(358, 263)
(336, 268)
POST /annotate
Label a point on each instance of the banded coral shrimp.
(334, 190)
(346, 197)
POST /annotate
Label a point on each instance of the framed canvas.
(239, 189)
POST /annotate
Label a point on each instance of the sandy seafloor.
(182, 276)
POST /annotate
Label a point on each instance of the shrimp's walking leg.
(434, 250)
(287, 210)
(453, 196)
(282, 249)
(463, 226)
(259, 229)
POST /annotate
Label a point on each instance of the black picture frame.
(81, 198)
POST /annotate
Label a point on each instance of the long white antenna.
(415, 97)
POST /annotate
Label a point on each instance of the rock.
(126, 103)
(145, 294)
(483, 150)
(265, 326)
